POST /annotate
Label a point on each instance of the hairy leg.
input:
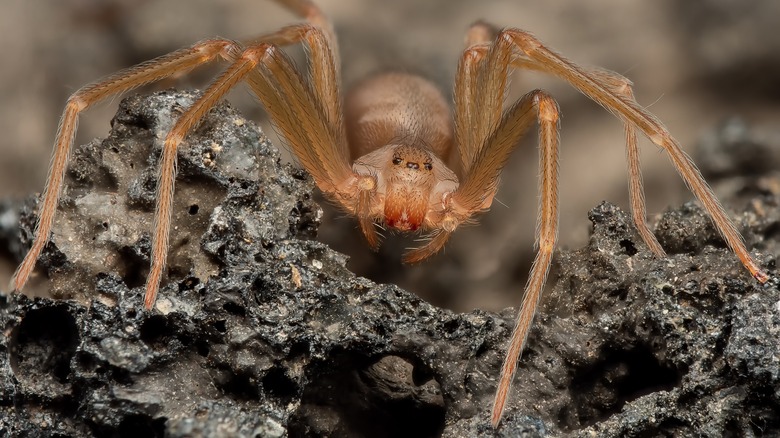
(623, 87)
(481, 79)
(295, 108)
(629, 111)
(151, 71)
(469, 131)
(536, 106)
(477, 110)
(323, 51)
(481, 180)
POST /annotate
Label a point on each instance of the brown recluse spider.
(384, 152)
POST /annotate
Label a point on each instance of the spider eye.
(397, 160)
(428, 166)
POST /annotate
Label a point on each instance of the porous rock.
(260, 330)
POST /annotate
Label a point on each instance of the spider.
(389, 152)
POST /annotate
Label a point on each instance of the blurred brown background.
(693, 64)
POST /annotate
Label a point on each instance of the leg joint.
(475, 53)
(225, 48)
(522, 39)
(256, 54)
(547, 106)
(76, 102)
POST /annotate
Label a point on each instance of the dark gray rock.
(260, 330)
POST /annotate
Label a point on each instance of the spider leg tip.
(761, 276)
(150, 297)
(496, 415)
(16, 284)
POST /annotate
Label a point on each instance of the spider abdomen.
(397, 108)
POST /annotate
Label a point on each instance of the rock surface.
(262, 331)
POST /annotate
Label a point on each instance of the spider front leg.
(547, 114)
(295, 108)
(478, 108)
(485, 138)
(482, 178)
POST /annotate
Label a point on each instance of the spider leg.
(324, 68)
(362, 210)
(477, 111)
(479, 184)
(470, 124)
(323, 56)
(434, 245)
(313, 14)
(247, 61)
(610, 90)
(622, 86)
(296, 110)
(151, 71)
(325, 86)
(513, 126)
(600, 91)
(476, 114)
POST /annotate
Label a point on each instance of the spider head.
(411, 183)
(410, 179)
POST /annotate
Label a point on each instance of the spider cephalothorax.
(411, 185)
(385, 151)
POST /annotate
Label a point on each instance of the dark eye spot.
(397, 160)
(428, 166)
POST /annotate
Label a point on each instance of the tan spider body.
(391, 152)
